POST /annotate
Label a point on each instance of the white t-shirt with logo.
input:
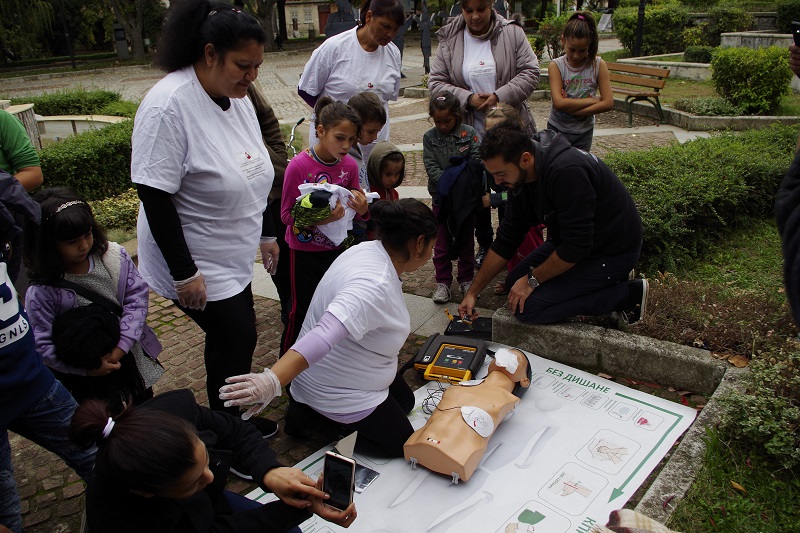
(362, 290)
(479, 71)
(341, 68)
(215, 166)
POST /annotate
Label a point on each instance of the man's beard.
(517, 186)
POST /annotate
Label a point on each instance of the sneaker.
(480, 256)
(465, 287)
(265, 426)
(442, 294)
(637, 291)
(236, 471)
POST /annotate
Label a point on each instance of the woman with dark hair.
(343, 368)
(361, 59)
(161, 467)
(203, 176)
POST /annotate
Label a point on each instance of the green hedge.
(707, 106)
(69, 102)
(698, 54)
(61, 59)
(96, 163)
(787, 10)
(725, 19)
(689, 194)
(752, 80)
(118, 211)
(663, 28)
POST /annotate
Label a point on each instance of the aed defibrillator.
(449, 358)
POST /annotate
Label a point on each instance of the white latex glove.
(246, 389)
(192, 291)
(270, 253)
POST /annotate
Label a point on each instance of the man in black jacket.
(594, 232)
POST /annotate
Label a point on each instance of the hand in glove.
(270, 253)
(192, 291)
(246, 389)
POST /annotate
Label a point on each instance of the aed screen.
(453, 356)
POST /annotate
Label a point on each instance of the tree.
(262, 11)
(37, 16)
(130, 13)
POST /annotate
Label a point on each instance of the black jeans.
(307, 269)
(592, 287)
(381, 433)
(230, 328)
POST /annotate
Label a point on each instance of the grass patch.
(713, 504)
(614, 55)
(730, 302)
(676, 89)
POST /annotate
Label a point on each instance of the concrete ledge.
(596, 349)
(691, 122)
(416, 92)
(674, 480)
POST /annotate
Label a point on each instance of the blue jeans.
(46, 423)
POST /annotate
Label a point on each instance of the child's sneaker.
(442, 294)
(465, 287)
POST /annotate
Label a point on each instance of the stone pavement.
(52, 494)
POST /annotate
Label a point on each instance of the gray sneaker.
(442, 294)
(465, 287)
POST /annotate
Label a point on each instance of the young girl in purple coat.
(70, 249)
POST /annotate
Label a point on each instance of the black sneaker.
(480, 256)
(637, 299)
(265, 426)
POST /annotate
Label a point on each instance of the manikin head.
(504, 361)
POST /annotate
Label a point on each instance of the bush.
(96, 163)
(70, 102)
(698, 54)
(707, 107)
(767, 414)
(689, 194)
(663, 28)
(787, 10)
(727, 19)
(550, 30)
(753, 80)
(695, 36)
(120, 108)
(118, 211)
(538, 44)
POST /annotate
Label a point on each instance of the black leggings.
(382, 433)
(230, 328)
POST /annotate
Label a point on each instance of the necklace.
(319, 160)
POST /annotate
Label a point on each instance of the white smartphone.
(339, 480)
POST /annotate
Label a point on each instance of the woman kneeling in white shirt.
(343, 368)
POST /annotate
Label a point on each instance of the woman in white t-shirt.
(361, 59)
(203, 175)
(343, 368)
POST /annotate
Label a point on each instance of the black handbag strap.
(90, 295)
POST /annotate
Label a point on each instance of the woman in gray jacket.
(484, 59)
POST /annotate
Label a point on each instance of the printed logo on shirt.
(370, 86)
(463, 148)
(248, 156)
(481, 63)
(14, 332)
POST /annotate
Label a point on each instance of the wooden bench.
(641, 83)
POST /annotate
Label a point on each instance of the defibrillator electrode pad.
(507, 359)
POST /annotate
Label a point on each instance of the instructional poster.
(575, 448)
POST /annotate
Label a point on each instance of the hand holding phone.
(339, 480)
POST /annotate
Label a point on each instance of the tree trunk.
(262, 11)
(543, 11)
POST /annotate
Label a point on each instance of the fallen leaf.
(684, 401)
(605, 376)
(739, 361)
(738, 487)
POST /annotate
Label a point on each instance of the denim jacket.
(438, 148)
